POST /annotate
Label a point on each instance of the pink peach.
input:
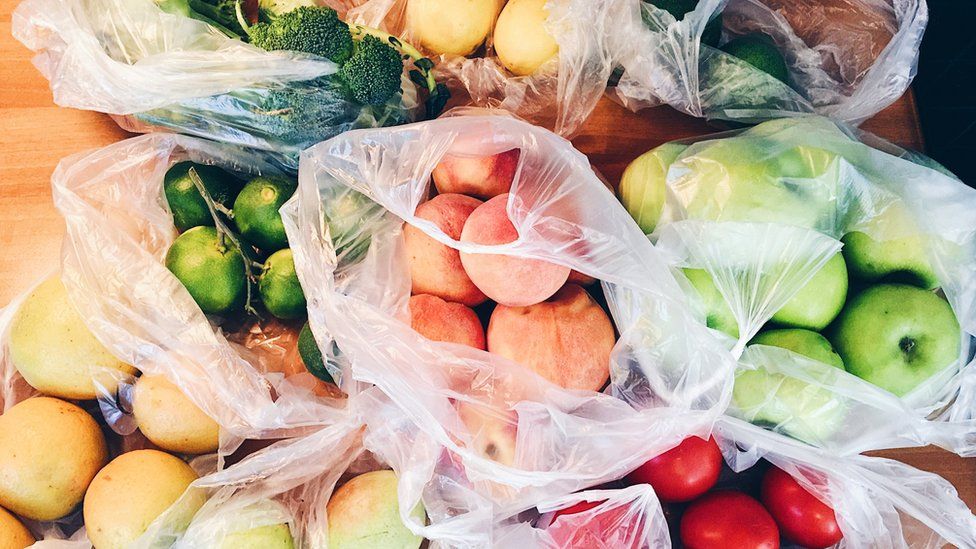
(493, 432)
(434, 267)
(481, 176)
(439, 320)
(576, 277)
(509, 280)
(567, 339)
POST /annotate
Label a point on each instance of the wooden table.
(35, 134)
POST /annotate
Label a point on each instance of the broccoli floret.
(373, 73)
(315, 30)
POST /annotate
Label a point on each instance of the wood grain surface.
(35, 135)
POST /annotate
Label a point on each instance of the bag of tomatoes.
(754, 60)
(546, 61)
(478, 314)
(176, 258)
(835, 267)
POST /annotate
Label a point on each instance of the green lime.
(760, 52)
(256, 211)
(211, 268)
(311, 355)
(679, 8)
(188, 207)
(280, 290)
(348, 215)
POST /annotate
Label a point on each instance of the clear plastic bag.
(560, 95)
(762, 211)
(877, 502)
(151, 69)
(510, 436)
(246, 376)
(847, 59)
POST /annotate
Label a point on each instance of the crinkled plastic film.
(847, 59)
(560, 95)
(119, 229)
(763, 210)
(878, 502)
(155, 70)
(514, 437)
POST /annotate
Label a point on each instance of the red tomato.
(682, 473)
(611, 528)
(728, 520)
(802, 517)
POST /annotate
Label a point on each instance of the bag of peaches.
(518, 233)
(546, 61)
(835, 267)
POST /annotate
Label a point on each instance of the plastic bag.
(151, 69)
(560, 95)
(286, 485)
(762, 211)
(847, 59)
(877, 502)
(246, 376)
(506, 436)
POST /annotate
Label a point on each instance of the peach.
(481, 176)
(439, 320)
(435, 268)
(566, 339)
(576, 277)
(512, 281)
(493, 432)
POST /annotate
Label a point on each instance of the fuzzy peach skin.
(482, 176)
(436, 269)
(566, 339)
(440, 320)
(512, 281)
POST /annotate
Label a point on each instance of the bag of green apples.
(175, 253)
(546, 61)
(753, 60)
(520, 229)
(198, 67)
(837, 268)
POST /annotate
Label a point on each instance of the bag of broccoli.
(547, 62)
(279, 76)
(752, 60)
(835, 267)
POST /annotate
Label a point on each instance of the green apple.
(364, 513)
(819, 301)
(903, 259)
(799, 409)
(896, 336)
(802, 342)
(718, 314)
(273, 536)
(738, 179)
(642, 185)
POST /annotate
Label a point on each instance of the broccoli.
(220, 14)
(315, 30)
(373, 73)
(270, 9)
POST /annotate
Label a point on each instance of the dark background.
(944, 86)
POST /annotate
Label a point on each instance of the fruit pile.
(539, 314)
(708, 506)
(869, 304)
(217, 263)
